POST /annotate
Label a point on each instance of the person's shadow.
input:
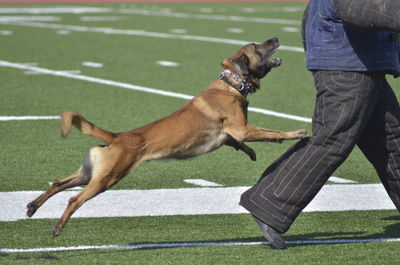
(390, 231)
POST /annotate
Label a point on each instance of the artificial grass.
(215, 228)
(33, 153)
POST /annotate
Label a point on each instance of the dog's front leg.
(242, 146)
(249, 133)
(255, 134)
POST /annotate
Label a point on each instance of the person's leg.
(370, 15)
(380, 142)
(344, 103)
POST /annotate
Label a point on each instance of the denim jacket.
(334, 46)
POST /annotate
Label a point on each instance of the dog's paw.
(252, 155)
(300, 133)
(31, 209)
(56, 231)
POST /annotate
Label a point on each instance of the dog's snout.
(269, 44)
(274, 42)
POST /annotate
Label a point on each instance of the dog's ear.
(237, 64)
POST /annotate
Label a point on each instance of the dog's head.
(252, 62)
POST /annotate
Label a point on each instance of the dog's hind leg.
(96, 186)
(75, 202)
(109, 165)
(80, 177)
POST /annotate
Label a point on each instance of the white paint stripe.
(340, 180)
(197, 244)
(28, 18)
(28, 118)
(167, 63)
(235, 30)
(278, 114)
(63, 32)
(178, 31)
(30, 64)
(291, 29)
(209, 17)
(54, 10)
(92, 64)
(143, 33)
(135, 87)
(188, 201)
(91, 18)
(95, 80)
(65, 71)
(202, 182)
(6, 32)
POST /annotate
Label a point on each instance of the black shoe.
(272, 236)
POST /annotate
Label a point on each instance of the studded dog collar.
(234, 80)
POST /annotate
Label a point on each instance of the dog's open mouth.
(275, 45)
(274, 62)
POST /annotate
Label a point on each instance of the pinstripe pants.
(351, 108)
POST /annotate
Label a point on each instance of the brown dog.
(215, 117)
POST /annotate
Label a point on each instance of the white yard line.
(168, 63)
(196, 244)
(28, 118)
(187, 201)
(202, 183)
(103, 18)
(28, 18)
(65, 71)
(210, 17)
(134, 87)
(142, 33)
(340, 180)
(279, 114)
(54, 10)
(92, 64)
(146, 12)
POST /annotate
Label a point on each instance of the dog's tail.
(86, 127)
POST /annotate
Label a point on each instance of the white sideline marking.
(202, 182)
(157, 13)
(6, 32)
(95, 80)
(291, 29)
(167, 63)
(278, 114)
(206, 10)
(28, 118)
(235, 30)
(178, 31)
(187, 201)
(288, 9)
(197, 244)
(27, 18)
(30, 64)
(54, 10)
(92, 64)
(101, 18)
(340, 180)
(64, 71)
(135, 87)
(141, 33)
(63, 32)
(209, 17)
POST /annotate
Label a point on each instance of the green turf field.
(126, 41)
